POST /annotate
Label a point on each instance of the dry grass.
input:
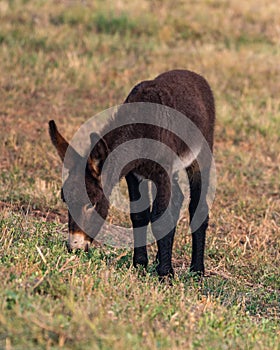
(69, 60)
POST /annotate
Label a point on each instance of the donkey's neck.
(118, 136)
(120, 152)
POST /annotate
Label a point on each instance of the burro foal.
(181, 91)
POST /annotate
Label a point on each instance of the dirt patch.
(47, 216)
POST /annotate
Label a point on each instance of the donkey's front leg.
(140, 217)
(164, 255)
(163, 225)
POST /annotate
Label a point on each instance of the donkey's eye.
(62, 195)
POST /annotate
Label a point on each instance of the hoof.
(165, 271)
(197, 271)
(140, 261)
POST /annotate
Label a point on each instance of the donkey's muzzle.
(78, 241)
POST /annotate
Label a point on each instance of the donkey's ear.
(61, 145)
(98, 154)
(58, 140)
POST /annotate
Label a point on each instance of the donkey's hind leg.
(198, 209)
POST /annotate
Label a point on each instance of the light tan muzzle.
(78, 240)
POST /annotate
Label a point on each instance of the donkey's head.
(88, 175)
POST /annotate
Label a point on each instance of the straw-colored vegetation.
(68, 60)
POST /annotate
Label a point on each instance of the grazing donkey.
(189, 94)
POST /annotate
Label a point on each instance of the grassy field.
(68, 60)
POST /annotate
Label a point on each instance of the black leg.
(198, 210)
(139, 199)
(176, 204)
(169, 203)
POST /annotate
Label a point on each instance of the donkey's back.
(183, 90)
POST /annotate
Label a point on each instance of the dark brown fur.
(190, 94)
